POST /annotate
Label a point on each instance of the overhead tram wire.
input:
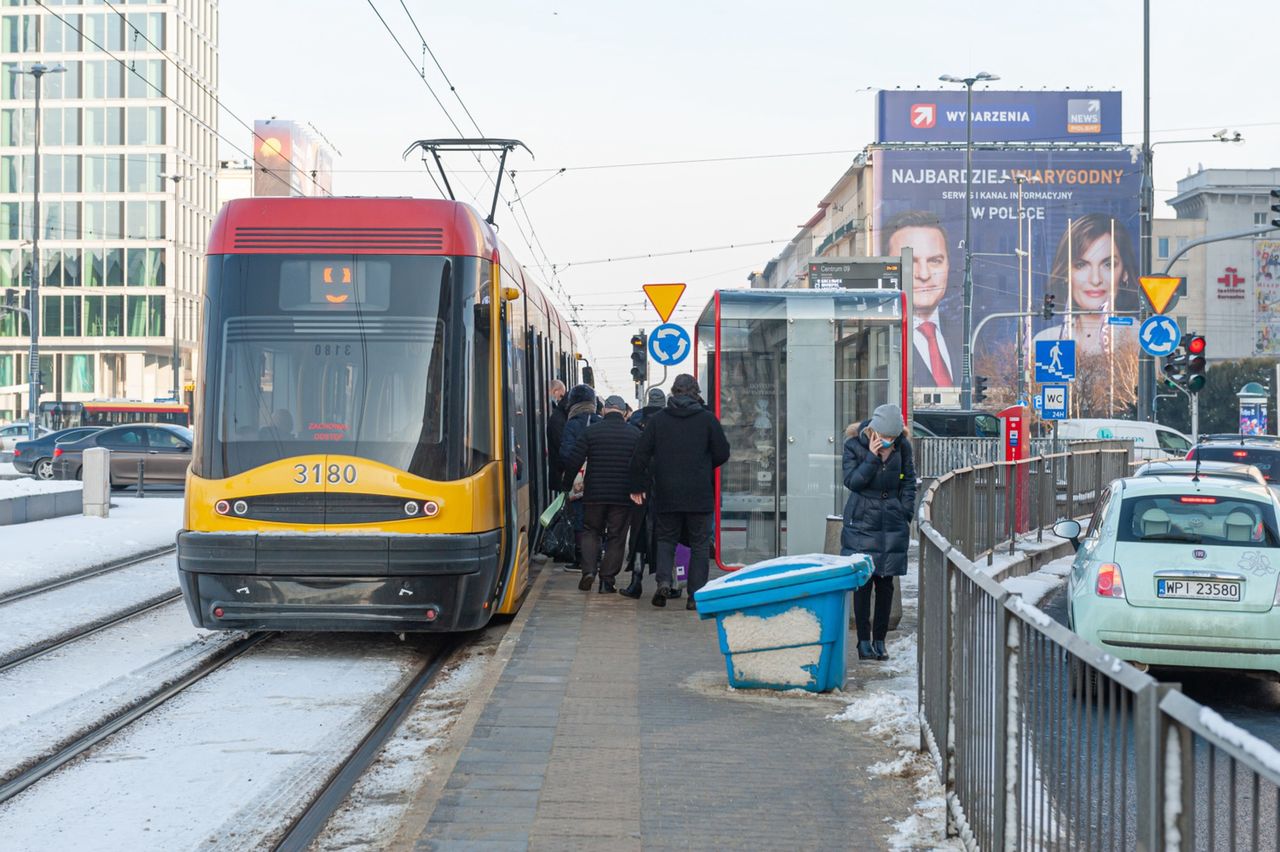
(421, 73)
(153, 86)
(137, 33)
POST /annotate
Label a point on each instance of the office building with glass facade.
(121, 244)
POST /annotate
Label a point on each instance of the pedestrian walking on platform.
(680, 447)
(606, 448)
(556, 420)
(881, 477)
(581, 413)
(641, 543)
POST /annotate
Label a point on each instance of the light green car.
(1178, 572)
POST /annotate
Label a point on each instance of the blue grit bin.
(783, 623)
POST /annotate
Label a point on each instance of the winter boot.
(865, 651)
(634, 589)
(877, 648)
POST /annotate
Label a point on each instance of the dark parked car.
(165, 451)
(36, 457)
(953, 423)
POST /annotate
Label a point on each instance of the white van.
(1150, 440)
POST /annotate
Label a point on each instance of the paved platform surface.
(611, 726)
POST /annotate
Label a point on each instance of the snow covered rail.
(1043, 740)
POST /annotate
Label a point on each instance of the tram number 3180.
(317, 474)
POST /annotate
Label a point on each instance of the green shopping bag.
(550, 514)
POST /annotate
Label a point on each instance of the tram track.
(22, 592)
(39, 649)
(304, 830)
(49, 764)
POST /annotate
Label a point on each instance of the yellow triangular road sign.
(1159, 290)
(664, 298)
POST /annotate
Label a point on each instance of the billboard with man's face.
(1074, 214)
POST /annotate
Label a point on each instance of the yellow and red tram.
(370, 430)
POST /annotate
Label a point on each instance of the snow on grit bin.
(783, 623)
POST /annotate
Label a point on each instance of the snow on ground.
(887, 704)
(47, 702)
(7, 470)
(66, 610)
(228, 763)
(39, 551)
(370, 817)
(1035, 587)
(23, 487)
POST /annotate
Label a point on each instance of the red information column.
(1013, 436)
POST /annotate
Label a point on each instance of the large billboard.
(916, 116)
(1071, 211)
(289, 159)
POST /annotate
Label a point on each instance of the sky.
(608, 84)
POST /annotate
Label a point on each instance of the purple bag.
(683, 555)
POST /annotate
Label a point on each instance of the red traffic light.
(1195, 345)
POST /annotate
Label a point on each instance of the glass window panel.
(93, 274)
(95, 31)
(155, 74)
(155, 220)
(136, 171)
(115, 126)
(137, 131)
(71, 39)
(52, 271)
(71, 79)
(92, 216)
(115, 32)
(27, 268)
(114, 166)
(155, 29)
(95, 179)
(9, 266)
(95, 80)
(155, 267)
(137, 316)
(53, 35)
(6, 369)
(95, 126)
(52, 85)
(51, 315)
(52, 212)
(77, 373)
(9, 127)
(114, 73)
(70, 172)
(135, 83)
(10, 219)
(115, 316)
(51, 179)
(52, 128)
(70, 316)
(155, 125)
(71, 268)
(136, 262)
(115, 267)
(71, 126)
(156, 310)
(114, 229)
(9, 34)
(135, 221)
(9, 174)
(93, 316)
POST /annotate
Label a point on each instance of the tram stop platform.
(608, 723)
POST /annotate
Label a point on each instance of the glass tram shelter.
(786, 371)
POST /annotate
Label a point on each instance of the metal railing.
(936, 456)
(1042, 740)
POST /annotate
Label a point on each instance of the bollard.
(96, 473)
(142, 475)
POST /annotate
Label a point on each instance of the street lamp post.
(173, 271)
(966, 379)
(37, 73)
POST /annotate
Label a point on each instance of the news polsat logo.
(1084, 115)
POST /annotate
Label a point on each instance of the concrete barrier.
(22, 508)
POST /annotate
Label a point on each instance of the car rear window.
(1265, 460)
(1198, 518)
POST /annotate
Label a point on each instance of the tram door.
(793, 371)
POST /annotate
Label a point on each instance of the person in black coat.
(642, 548)
(580, 410)
(881, 477)
(679, 450)
(606, 447)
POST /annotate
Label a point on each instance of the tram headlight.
(430, 508)
(411, 508)
(222, 507)
(240, 507)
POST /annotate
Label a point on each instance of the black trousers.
(638, 539)
(883, 589)
(697, 526)
(603, 522)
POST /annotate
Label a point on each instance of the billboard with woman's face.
(1073, 212)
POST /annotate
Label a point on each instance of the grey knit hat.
(615, 402)
(887, 420)
(657, 397)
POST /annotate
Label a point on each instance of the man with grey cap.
(881, 477)
(606, 447)
(655, 401)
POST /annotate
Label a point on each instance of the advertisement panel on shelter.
(1266, 274)
(1044, 220)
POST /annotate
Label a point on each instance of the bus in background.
(64, 415)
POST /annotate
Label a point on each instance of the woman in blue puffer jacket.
(881, 477)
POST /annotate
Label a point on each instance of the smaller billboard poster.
(1266, 271)
(998, 116)
(1253, 418)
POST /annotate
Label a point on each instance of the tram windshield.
(383, 357)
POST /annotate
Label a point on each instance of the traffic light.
(639, 357)
(1184, 367)
(979, 389)
(1275, 207)
(1049, 306)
